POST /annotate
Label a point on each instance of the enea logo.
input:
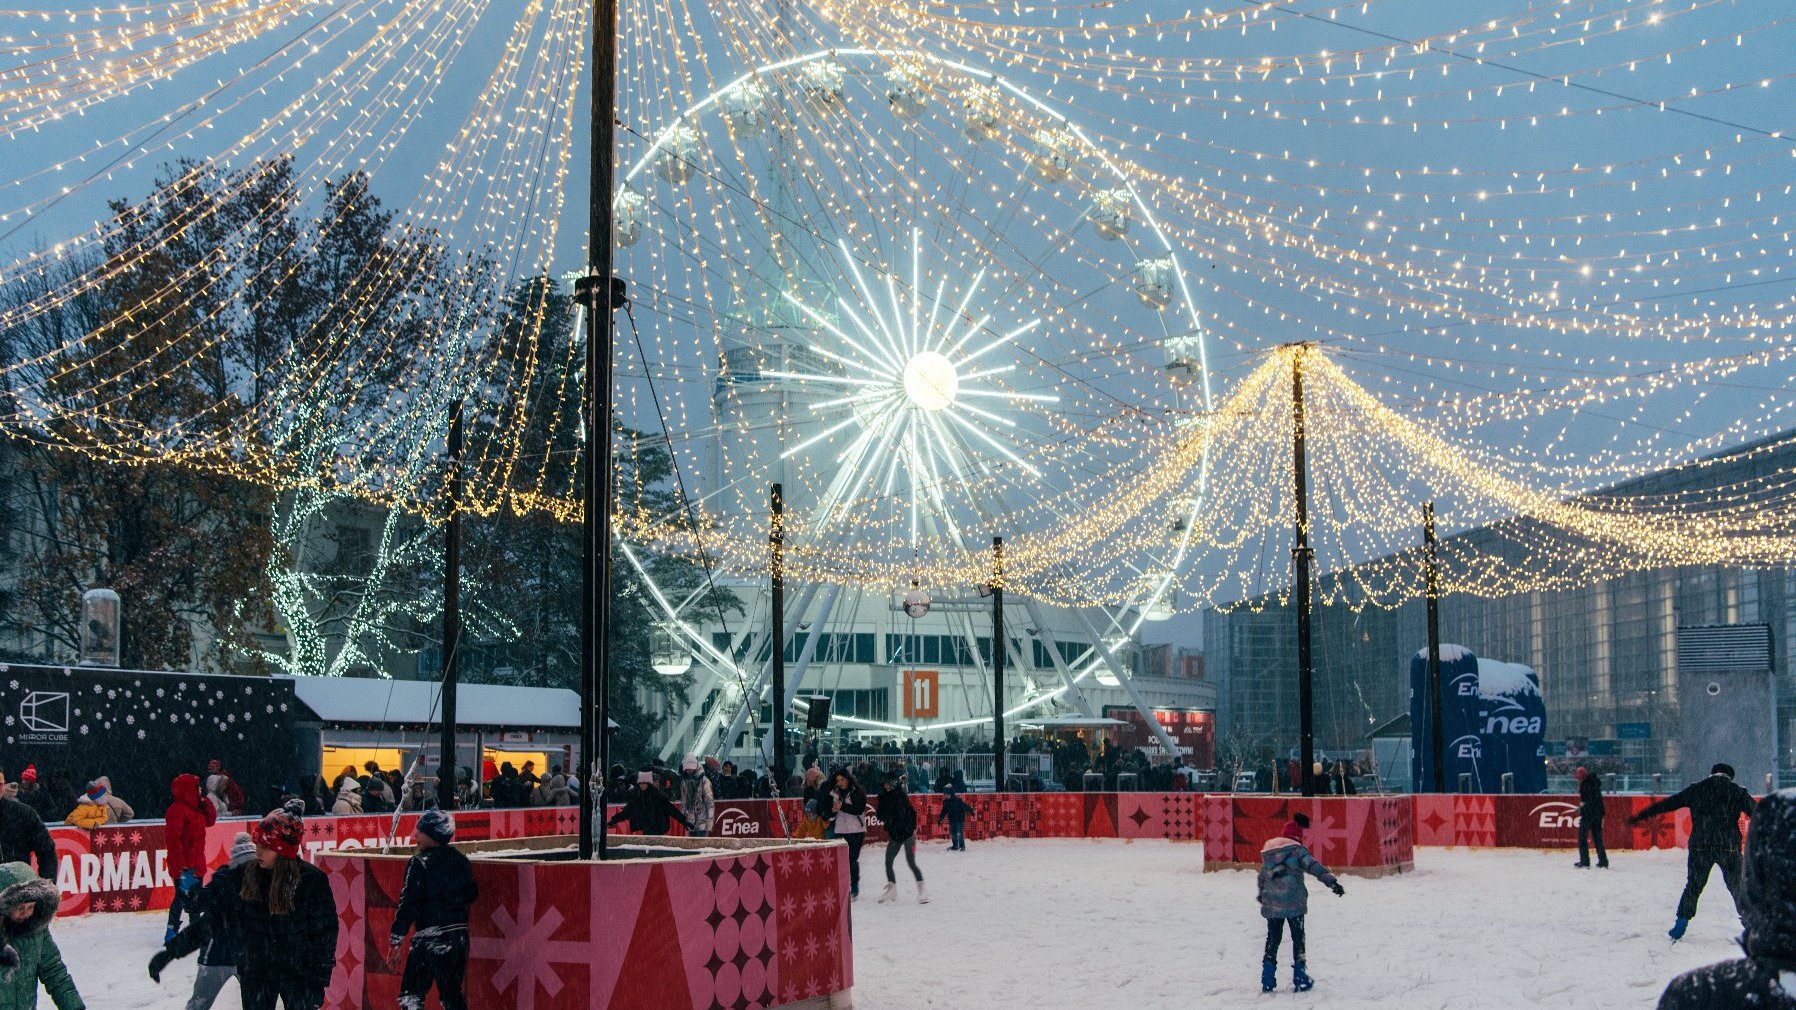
(1555, 815)
(1468, 746)
(734, 822)
(1510, 717)
(1465, 685)
(45, 712)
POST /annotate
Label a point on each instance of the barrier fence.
(123, 867)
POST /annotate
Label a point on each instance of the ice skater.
(439, 889)
(1590, 819)
(1716, 805)
(288, 921)
(901, 834)
(848, 807)
(648, 809)
(216, 937)
(1285, 899)
(955, 809)
(1766, 977)
(185, 822)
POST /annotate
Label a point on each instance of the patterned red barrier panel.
(732, 931)
(1365, 835)
(124, 867)
(1540, 822)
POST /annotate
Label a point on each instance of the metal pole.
(1301, 556)
(595, 293)
(451, 617)
(1437, 738)
(998, 663)
(776, 546)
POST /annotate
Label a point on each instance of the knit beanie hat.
(96, 791)
(29, 774)
(690, 764)
(243, 849)
(1296, 826)
(645, 777)
(439, 827)
(280, 831)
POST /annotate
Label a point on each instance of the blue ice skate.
(1300, 979)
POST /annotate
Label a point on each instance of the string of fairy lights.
(949, 272)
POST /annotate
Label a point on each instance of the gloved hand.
(395, 952)
(157, 963)
(189, 880)
(1337, 888)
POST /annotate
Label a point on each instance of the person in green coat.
(28, 955)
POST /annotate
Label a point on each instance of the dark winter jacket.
(438, 890)
(299, 946)
(1590, 796)
(23, 836)
(39, 960)
(851, 818)
(187, 818)
(955, 810)
(896, 812)
(1715, 805)
(649, 811)
(216, 929)
(40, 799)
(1768, 909)
(1283, 862)
(509, 790)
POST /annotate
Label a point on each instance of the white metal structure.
(946, 302)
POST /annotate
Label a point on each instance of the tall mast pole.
(1437, 739)
(1301, 556)
(998, 663)
(451, 618)
(595, 292)
(776, 550)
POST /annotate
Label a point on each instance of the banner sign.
(1193, 730)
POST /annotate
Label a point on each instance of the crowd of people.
(268, 919)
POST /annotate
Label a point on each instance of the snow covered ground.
(1099, 924)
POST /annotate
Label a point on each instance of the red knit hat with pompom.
(280, 831)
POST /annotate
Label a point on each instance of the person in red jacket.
(189, 814)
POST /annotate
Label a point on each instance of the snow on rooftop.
(347, 699)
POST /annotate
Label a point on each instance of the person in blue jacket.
(1284, 899)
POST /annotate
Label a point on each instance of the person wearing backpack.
(1284, 900)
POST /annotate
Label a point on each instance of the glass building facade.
(1606, 652)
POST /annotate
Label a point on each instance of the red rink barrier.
(761, 927)
(122, 868)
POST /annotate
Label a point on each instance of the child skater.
(1284, 899)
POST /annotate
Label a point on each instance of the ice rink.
(1094, 925)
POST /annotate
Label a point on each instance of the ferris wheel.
(927, 304)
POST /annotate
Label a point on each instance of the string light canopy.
(1507, 305)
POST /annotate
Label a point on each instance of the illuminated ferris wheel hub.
(930, 380)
